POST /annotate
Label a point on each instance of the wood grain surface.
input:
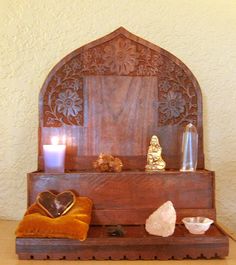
(136, 244)
(112, 95)
(130, 197)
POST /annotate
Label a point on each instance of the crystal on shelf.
(189, 151)
(162, 221)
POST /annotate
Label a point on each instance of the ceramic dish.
(197, 225)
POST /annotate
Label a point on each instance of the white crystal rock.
(162, 221)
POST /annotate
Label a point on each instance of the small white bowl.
(197, 225)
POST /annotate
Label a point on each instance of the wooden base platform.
(128, 198)
(136, 244)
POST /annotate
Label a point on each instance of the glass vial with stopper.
(189, 151)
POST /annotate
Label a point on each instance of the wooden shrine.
(111, 96)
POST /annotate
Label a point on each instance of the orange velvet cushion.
(74, 224)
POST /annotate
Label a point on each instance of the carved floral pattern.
(64, 102)
(69, 103)
(64, 96)
(164, 85)
(177, 99)
(150, 62)
(172, 105)
(120, 56)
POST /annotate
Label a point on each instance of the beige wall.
(35, 35)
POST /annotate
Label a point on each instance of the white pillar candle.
(54, 156)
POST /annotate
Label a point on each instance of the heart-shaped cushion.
(56, 205)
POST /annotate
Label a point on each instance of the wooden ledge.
(135, 244)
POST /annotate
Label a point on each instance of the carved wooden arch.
(112, 94)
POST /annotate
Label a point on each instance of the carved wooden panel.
(64, 101)
(113, 94)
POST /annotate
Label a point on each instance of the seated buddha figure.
(154, 159)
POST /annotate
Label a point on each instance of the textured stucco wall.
(35, 35)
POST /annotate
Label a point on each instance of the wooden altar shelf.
(127, 199)
(130, 197)
(136, 244)
(111, 96)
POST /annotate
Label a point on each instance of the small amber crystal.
(108, 163)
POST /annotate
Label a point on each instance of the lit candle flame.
(54, 140)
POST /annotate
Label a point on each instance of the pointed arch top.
(175, 99)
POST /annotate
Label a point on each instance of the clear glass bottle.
(189, 151)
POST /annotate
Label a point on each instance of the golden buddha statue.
(154, 159)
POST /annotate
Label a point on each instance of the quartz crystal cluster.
(162, 221)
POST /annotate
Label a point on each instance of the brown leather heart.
(56, 205)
